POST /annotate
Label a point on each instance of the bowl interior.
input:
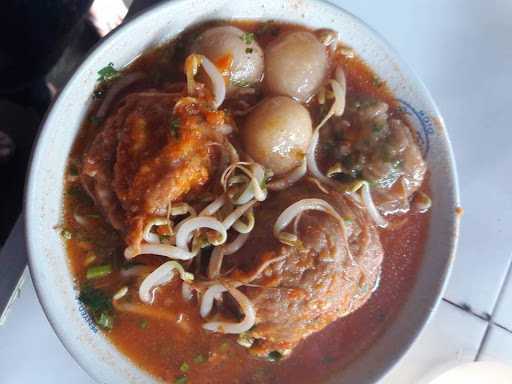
(43, 200)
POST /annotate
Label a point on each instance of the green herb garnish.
(184, 367)
(66, 234)
(224, 346)
(94, 120)
(181, 380)
(76, 191)
(247, 37)
(174, 127)
(248, 50)
(105, 321)
(240, 83)
(263, 184)
(274, 356)
(73, 170)
(200, 359)
(377, 127)
(163, 238)
(108, 73)
(98, 271)
(143, 324)
(95, 299)
(99, 305)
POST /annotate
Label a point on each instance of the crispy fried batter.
(154, 157)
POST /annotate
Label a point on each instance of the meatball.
(295, 65)
(221, 44)
(307, 288)
(379, 148)
(276, 133)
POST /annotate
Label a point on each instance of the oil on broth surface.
(174, 346)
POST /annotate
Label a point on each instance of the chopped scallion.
(175, 127)
(94, 120)
(181, 380)
(274, 356)
(108, 73)
(98, 271)
(377, 127)
(99, 305)
(77, 192)
(184, 367)
(224, 346)
(200, 359)
(143, 324)
(105, 321)
(240, 83)
(247, 37)
(66, 234)
(73, 170)
(163, 238)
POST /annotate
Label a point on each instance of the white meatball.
(296, 64)
(276, 133)
(220, 42)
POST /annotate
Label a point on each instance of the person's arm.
(139, 5)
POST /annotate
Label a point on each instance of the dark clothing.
(33, 35)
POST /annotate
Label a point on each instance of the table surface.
(462, 49)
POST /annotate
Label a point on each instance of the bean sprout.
(150, 237)
(247, 323)
(236, 214)
(192, 64)
(300, 206)
(166, 250)
(218, 253)
(366, 195)
(209, 297)
(290, 178)
(160, 276)
(339, 88)
(184, 233)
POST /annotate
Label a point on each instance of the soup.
(244, 204)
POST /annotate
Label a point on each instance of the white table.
(462, 49)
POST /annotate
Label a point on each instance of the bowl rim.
(35, 155)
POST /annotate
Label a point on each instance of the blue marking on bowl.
(84, 313)
(425, 122)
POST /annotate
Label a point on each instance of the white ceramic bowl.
(44, 192)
